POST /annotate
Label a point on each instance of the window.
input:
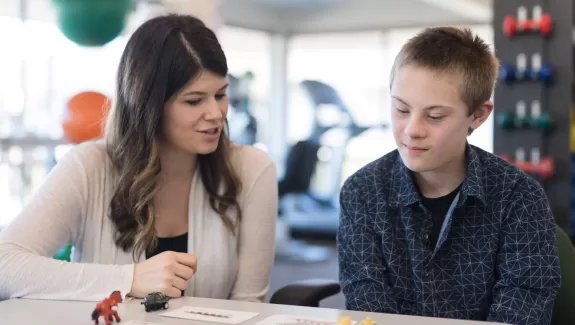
(35, 85)
(249, 51)
(354, 65)
(34, 88)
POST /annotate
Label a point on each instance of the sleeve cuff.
(128, 279)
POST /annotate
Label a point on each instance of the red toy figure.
(105, 308)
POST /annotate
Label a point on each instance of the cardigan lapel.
(195, 224)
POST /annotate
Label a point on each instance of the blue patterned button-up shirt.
(496, 260)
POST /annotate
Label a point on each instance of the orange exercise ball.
(85, 115)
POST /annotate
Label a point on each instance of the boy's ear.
(481, 114)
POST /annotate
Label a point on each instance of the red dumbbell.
(545, 168)
(523, 165)
(512, 27)
(506, 157)
(509, 26)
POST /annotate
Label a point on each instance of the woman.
(165, 202)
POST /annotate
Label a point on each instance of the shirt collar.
(403, 191)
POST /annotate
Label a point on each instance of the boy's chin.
(418, 165)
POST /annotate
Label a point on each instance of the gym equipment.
(544, 121)
(505, 120)
(555, 93)
(539, 71)
(85, 114)
(303, 156)
(92, 22)
(541, 22)
(521, 72)
(520, 119)
(302, 160)
(540, 120)
(543, 168)
(242, 123)
(313, 217)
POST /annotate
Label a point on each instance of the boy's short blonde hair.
(455, 52)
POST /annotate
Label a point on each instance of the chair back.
(565, 300)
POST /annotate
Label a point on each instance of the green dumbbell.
(523, 122)
(506, 120)
(544, 121)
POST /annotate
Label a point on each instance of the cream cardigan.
(71, 207)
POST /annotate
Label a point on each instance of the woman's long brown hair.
(162, 56)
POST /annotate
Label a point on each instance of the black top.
(176, 244)
(438, 208)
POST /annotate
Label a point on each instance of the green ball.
(506, 120)
(92, 22)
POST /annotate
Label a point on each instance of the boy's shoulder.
(376, 176)
(500, 178)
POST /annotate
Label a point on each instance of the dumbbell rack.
(554, 98)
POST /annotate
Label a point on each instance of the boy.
(439, 227)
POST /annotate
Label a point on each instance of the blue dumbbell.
(507, 73)
(544, 74)
(524, 74)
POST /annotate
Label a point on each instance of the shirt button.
(426, 237)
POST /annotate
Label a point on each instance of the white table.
(45, 312)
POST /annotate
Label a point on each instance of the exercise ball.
(92, 22)
(85, 116)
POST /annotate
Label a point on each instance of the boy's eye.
(403, 111)
(436, 118)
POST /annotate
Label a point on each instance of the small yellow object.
(344, 320)
(368, 321)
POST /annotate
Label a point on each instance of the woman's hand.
(167, 273)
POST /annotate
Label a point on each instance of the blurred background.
(308, 84)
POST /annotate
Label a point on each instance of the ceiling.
(310, 16)
(313, 16)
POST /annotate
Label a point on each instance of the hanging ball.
(85, 116)
(92, 22)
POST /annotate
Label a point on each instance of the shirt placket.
(426, 270)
